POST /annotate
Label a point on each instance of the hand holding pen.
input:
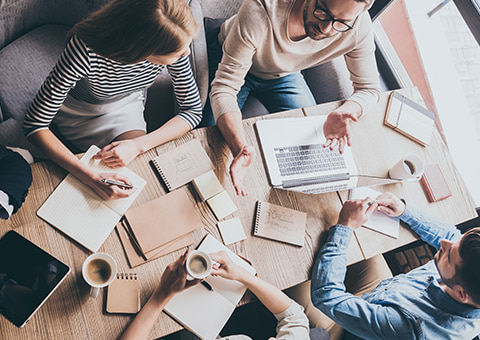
(113, 186)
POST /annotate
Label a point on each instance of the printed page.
(377, 221)
(416, 123)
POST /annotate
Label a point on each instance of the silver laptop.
(296, 159)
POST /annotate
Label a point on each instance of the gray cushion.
(25, 63)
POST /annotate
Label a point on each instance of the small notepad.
(207, 185)
(124, 294)
(222, 205)
(231, 230)
(280, 223)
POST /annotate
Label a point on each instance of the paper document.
(80, 213)
(377, 221)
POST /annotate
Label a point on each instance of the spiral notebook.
(123, 294)
(280, 223)
(180, 165)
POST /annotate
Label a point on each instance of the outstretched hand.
(239, 167)
(337, 130)
(355, 213)
(118, 154)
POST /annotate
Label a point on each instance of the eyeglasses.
(338, 25)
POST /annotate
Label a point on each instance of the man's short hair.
(468, 273)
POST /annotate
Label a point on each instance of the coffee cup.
(198, 265)
(409, 168)
(99, 270)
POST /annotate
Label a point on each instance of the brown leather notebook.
(434, 183)
(280, 223)
(123, 295)
(163, 219)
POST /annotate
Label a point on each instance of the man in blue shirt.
(439, 300)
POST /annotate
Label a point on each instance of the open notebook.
(76, 210)
(205, 312)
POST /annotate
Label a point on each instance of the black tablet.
(28, 276)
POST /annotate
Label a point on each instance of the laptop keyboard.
(305, 159)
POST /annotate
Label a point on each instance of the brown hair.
(131, 30)
(468, 273)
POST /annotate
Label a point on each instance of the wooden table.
(71, 314)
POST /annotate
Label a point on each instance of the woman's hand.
(119, 154)
(111, 191)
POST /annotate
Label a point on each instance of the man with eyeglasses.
(268, 43)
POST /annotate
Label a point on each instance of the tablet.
(28, 276)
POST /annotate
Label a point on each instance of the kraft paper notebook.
(135, 258)
(377, 221)
(180, 165)
(163, 219)
(279, 223)
(123, 294)
(205, 312)
(409, 118)
(80, 213)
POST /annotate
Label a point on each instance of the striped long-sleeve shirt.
(92, 78)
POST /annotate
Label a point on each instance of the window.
(430, 45)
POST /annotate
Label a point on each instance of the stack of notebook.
(158, 227)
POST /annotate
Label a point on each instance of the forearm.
(330, 267)
(430, 228)
(273, 298)
(351, 107)
(142, 324)
(174, 128)
(230, 125)
(56, 151)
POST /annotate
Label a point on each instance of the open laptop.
(296, 159)
(28, 276)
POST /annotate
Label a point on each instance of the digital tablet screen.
(28, 275)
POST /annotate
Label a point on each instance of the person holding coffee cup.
(173, 281)
(292, 321)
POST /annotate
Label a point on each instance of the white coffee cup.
(99, 270)
(198, 265)
(409, 168)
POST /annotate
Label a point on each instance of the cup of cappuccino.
(409, 168)
(198, 265)
(99, 270)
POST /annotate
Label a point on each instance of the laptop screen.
(28, 275)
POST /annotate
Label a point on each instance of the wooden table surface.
(70, 314)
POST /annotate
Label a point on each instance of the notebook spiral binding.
(162, 175)
(127, 276)
(257, 217)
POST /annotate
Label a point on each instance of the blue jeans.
(280, 94)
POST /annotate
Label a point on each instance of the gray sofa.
(32, 36)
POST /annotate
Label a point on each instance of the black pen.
(120, 184)
(206, 285)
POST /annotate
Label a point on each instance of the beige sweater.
(256, 40)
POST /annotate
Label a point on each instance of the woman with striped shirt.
(95, 93)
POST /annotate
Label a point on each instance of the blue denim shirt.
(408, 306)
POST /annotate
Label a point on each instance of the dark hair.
(468, 273)
(131, 30)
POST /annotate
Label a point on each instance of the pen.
(120, 184)
(206, 285)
